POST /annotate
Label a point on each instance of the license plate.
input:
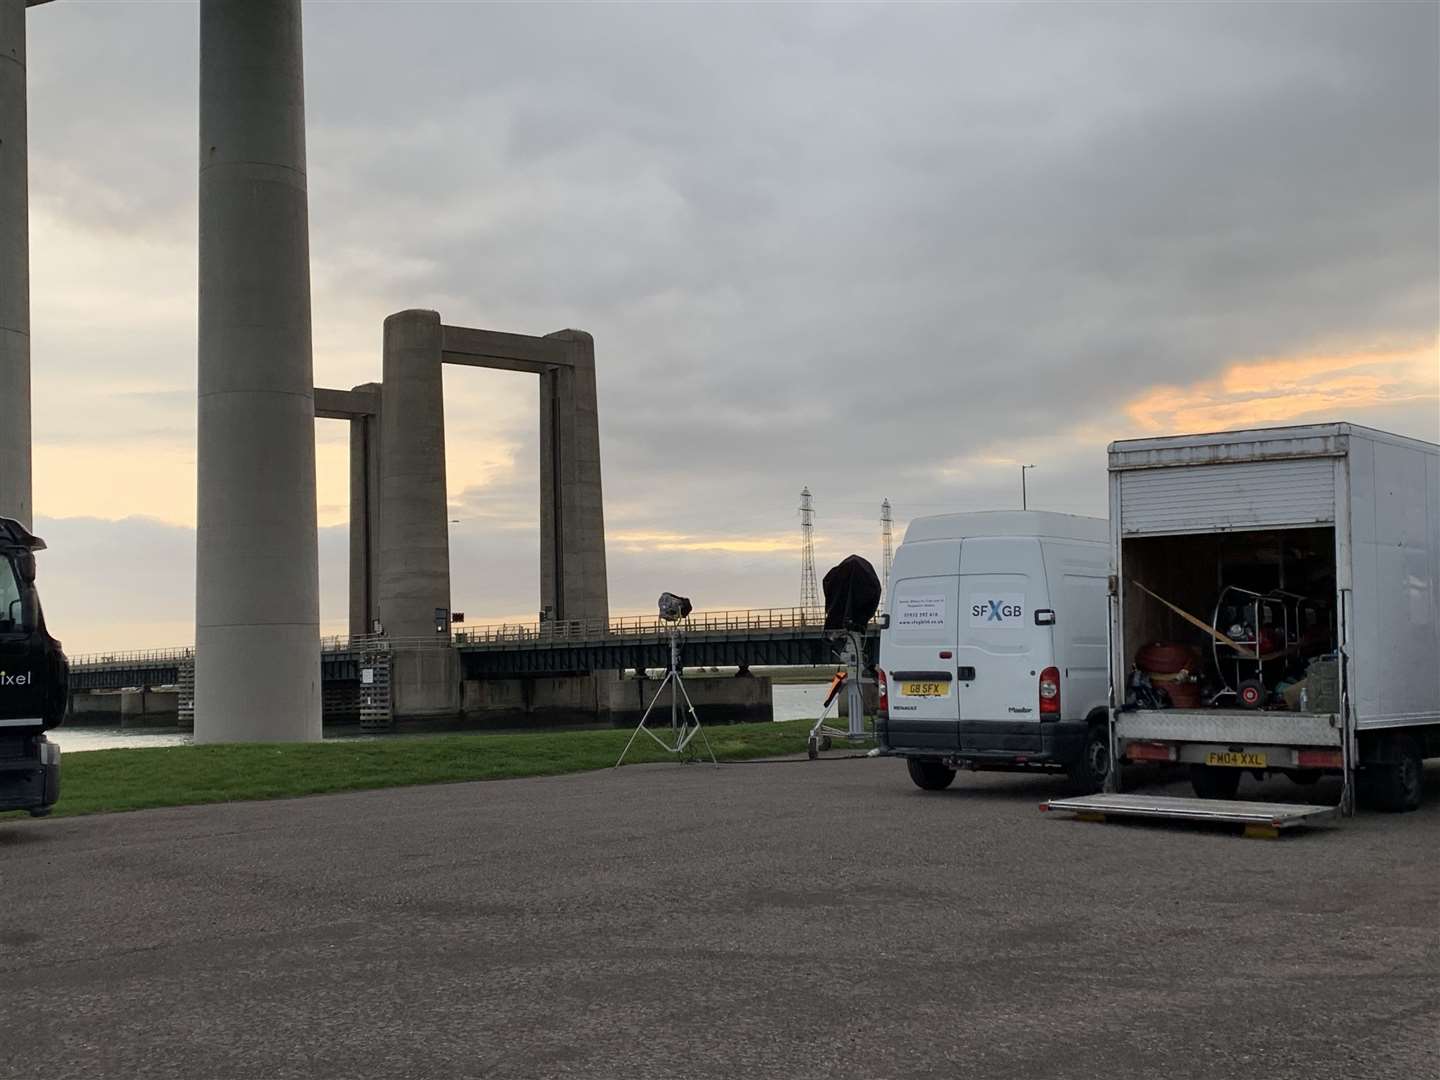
(1237, 761)
(925, 689)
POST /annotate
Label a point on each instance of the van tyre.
(1215, 781)
(1396, 782)
(930, 775)
(1089, 772)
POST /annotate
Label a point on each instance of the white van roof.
(1008, 523)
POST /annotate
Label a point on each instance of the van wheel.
(1397, 782)
(1089, 772)
(930, 775)
(1215, 781)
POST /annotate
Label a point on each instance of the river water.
(800, 701)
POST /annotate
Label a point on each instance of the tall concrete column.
(364, 515)
(414, 556)
(15, 493)
(257, 665)
(573, 583)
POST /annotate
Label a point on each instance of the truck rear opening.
(1259, 639)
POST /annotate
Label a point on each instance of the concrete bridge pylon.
(257, 610)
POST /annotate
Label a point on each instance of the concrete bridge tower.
(257, 638)
(15, 492)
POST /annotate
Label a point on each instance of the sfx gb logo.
(996, 610)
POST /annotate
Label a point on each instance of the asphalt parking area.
(785, 920)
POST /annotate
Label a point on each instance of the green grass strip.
(104, 781)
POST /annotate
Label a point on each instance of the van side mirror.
(1044, 617)
(884, 621)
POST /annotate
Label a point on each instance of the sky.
(885, 251)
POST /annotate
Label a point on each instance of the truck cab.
(995, 653)
(34, 678)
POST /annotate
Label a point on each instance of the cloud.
(879, 250)
(1289, 389)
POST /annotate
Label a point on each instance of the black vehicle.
(34, 680)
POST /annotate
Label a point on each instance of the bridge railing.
(796, 618)
(738, 621)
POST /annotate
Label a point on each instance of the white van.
(995, 653)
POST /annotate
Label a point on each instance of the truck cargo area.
(1260, 607)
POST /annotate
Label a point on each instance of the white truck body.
(1346, 515)
(981, 606)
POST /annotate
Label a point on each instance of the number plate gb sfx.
(1236, 760)
(925, 689)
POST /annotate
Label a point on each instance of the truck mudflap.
(30, 780)
(1258, 818)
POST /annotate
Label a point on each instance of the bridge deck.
(770, 637)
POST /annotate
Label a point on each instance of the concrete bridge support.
(413, 567)
(573, 581)
(15, 493)
(257, 668)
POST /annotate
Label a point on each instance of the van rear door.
(1000, 650)
(918, 653)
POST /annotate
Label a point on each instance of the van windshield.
(12, 607)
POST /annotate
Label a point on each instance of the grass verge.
(102, 781)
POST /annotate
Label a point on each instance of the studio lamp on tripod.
(683, 726)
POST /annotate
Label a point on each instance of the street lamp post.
(1024, 498)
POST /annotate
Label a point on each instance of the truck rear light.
(883, 712)
(1050, 692)
(1149, 751)
(1320, 759)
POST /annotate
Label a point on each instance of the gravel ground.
(767, 920)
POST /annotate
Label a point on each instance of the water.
(801, 701)
(72, 740)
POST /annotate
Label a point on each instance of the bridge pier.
(15, 492)
(257, 637)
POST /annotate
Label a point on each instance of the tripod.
(853, 657)
(682, 728)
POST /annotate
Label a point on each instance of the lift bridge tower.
(809, 588)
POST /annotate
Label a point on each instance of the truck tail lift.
(34, 680)
(1317, 549)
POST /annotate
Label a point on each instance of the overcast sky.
(882, 250)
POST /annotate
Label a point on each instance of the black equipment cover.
(852, 594)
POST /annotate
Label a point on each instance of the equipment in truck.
(34, 680)
(1262, 646)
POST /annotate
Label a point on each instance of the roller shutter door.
(1243, 495)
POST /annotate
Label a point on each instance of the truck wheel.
(1215, 781)
(1088, 773)
(1397, 782)
(930, 775)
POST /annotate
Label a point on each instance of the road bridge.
(363, 677)
(771, 637)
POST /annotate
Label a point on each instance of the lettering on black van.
(997, 609)
(15, 680)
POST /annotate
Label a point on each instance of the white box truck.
(995, 654)
(1295, 571)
